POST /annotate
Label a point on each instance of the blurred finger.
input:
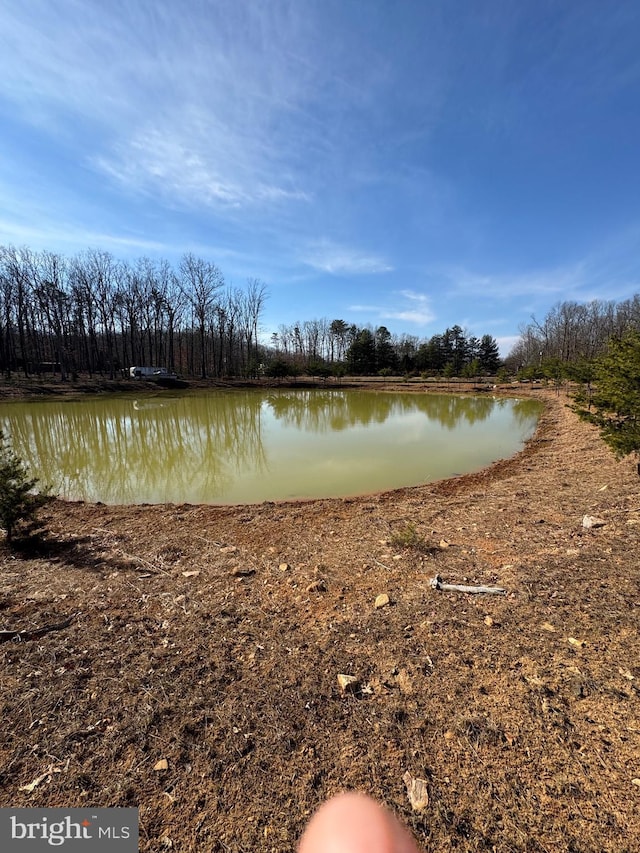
(354, 823)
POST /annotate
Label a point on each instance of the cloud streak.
(409, 306)
(73, 235)
(184, 110)
(328, 257)
(607, 272)
(189, 169)
(229, 106)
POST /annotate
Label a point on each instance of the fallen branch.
(35, 632)
(436, 583)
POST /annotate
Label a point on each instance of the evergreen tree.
(614, 406)
(459, 348)
(471, 369)
(429, 355)
(18, 501)
(385, 353)
(361, 355)
(473, 349)
(279, 368)
(489, 354)
(449, 370)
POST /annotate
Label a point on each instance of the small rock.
(348, 683)
(228, 549)
(488, 621)
(242, 572)
(590, 521)
(547, 626)
(636, 782)
(580, 644)
(381, 601)
(191, 574)
(417, 792)
(317, 586)
(444, 544)
(284, 567)
(163, 764)
(403, 680)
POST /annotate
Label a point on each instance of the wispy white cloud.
(184, 107)
(73, 235)
(224, 106)
(611, 270)
(505, 285)
(409, 306)
(184, 169)
(415, 317)
(336, 259)
(418, 310)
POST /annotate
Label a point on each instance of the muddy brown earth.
(197, 677)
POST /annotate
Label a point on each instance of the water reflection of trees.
(197, 447)
(121, 452)
(320, 411)
(523, 411)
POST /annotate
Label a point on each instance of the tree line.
(572, 336)
(95, 314)
(315, 346)
(597, 346)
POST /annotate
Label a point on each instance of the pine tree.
(361, 354)
(18, 500)
(489, 354)
(614, 405)
(386, 357)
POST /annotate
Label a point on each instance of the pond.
(256, 445)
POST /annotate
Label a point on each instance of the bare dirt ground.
(198, 676)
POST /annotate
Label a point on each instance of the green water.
(251, 446)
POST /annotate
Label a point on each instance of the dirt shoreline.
(52, 387)
(212, 637)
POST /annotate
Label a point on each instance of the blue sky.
(416, 163)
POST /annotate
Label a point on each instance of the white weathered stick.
(436, 583)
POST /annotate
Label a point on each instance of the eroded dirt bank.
(212, 637)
